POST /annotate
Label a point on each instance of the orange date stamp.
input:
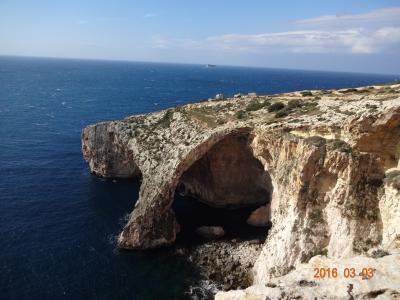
(332, 273)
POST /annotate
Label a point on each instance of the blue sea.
(58, 223)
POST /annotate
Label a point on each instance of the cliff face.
(323, 199)
(111, 158)
(328, 161)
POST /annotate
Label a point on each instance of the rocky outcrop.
(326, 161)
(107, 152)
(228, 263)
(260, 217)
(381, 281)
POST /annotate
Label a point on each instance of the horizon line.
(195, 64)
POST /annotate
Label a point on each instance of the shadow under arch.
(222, 188)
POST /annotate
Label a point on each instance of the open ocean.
(58, 223)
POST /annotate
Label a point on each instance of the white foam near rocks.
(205, 289)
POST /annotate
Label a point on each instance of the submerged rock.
(210, 232)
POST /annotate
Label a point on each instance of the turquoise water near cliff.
(57, 222)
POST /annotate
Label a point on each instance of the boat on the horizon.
(210, 66)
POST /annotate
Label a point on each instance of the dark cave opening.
(192, 214)
(223, 188)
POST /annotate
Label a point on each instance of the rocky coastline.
(324, 164)
(226, 263)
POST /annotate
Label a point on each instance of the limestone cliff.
(327, 161)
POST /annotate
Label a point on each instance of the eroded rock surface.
(327, 161)
(227, 263)
(301, 284)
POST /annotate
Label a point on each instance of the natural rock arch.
(153, 223)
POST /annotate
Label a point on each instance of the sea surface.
(58, 223)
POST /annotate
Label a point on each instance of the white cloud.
(362, 37)
(313, 41)
(375, 18)
(389, 34)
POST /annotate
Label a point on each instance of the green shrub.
(309, 107)
(221, 121)
(267, 103)
(276, 106)
(282, 113)
(379, 253)
(352, 90)
(240, 114)
(167, 118)
(339, 145)
(348, 113)
(294, 104)
(316, 140)
(306, 93)
(371, 107)
(324, 252)
(256, 105)
(393, 178)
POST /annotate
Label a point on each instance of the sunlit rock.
(324, 160)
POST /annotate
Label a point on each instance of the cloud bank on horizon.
(373, 32)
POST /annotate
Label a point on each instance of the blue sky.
(352, 35)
